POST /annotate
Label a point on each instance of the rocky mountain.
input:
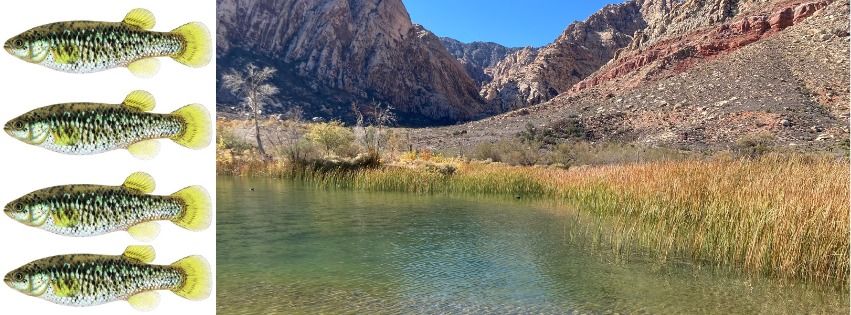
(701, 74)
(678, 73)
(478, 58)
(529, 77)
(331, 53)
(532, 77)
(684, 44)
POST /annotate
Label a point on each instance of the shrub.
(442, 169)
(845, 147)
(486, 151)
(570, 128)
(425, 155)
(302, 150)
(334, 164)
(510, 152)
(332, 136)
(563, 154)
(525, 155)
(754, 145)
(227, 139)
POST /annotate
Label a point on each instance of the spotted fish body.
(91, 279)
(91, 128)
(85, 46)
(89, 210)
(88, 280)
(88, 128)
(91, 46)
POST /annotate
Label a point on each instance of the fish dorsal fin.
(143, 253)
(144, 301)
(140, 100)
(140, 181)
(141, 18)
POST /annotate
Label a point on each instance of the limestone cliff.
(331, 53)
(530, 77)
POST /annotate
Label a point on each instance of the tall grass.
(779, 215)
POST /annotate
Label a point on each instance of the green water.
(285, 248)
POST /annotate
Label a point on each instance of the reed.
(779, 215)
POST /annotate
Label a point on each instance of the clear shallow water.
(289, 249)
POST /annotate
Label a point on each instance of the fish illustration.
(91, 128)
(89, 279)
(88, 210)
(89, 46)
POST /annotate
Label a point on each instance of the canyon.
(682, 73)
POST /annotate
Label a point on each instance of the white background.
(25, 168)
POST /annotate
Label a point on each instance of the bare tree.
(358, 115)
(383, 116)
(252, 86)
(358, 129)
(295, 113)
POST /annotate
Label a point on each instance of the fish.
(90, 210)
(92, 128)
(91, 46)
(91, 279)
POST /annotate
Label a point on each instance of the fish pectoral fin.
(65, 137)
(140, 181)
(146, 231)
(66, 287)
(141, 18)
(65, 218)
(66, 55)
(145, 301)
(145, 149)
(140, 100)
(143, 253)
(144, 68)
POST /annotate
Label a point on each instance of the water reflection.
(286, 248)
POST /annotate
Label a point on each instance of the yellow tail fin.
(197, 129)
(197, 211)
(197, 281)
(197, 45)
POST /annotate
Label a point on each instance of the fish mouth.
(8, 129)
(7, 46)
(8, 279)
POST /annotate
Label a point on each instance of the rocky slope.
(331, 53)
(478, 58)
(530, 77)
(738, 68)
(649, 56)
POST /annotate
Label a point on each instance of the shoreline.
(783, 216)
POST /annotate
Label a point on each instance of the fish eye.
(19, 276)
(18, 207)
(18, 43)
(18, 125)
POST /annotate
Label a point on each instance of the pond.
(286, 248)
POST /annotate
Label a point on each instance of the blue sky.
(513, 23)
